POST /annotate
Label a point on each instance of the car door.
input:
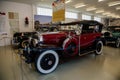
(87, 36)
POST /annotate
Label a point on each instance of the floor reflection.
(88, 67)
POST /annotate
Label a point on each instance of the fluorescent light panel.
(91, 9)
(114, 3)
(99, 11)
(100, 0)
(106, 13)
(118, 8)
(68, 1)
(79, 5)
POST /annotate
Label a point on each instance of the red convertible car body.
(74, 38)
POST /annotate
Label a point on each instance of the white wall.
(24, 10)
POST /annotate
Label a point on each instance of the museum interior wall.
(16, 14)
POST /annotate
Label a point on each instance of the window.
(97, 19)
(86, 17)
(44, 11)
(48, 12)
(71, 15)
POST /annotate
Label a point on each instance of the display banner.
(58, 11)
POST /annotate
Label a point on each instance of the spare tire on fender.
(70, 46)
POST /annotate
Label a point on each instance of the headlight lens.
(34, 42)
(41, 38)
(30, 39)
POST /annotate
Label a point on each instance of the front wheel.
(99, 48)
(117, 43)
(47, 62)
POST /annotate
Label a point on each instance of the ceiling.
(70, 6)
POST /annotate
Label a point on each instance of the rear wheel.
(47, 62)
(117, 43)
(99, 47)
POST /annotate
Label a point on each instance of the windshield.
(68, 27)
(73, 28)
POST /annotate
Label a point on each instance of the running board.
(85, 52)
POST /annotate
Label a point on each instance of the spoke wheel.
(47, 62)
(99, 47)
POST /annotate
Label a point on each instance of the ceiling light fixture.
(91, 9)
(106, 13)
(79, 5)
(118, 8)
(114, 3)
(68, 1)
(99, 11)
(100, 0)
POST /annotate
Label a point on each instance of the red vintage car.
(74, 38)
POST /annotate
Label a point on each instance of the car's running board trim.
(86, 53)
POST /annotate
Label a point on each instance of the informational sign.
(13, 22)
(58, 11)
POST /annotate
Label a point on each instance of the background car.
(75, 38)
(112, 35)
(21, 38)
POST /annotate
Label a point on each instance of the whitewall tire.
(99, 48)
(47, 61)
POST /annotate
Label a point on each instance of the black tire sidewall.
(96, 51)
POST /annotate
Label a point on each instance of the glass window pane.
(71, 15)
(48, 12)
(97, 19)
(86, 17)
(44, 11)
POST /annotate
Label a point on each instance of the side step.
(84, 52)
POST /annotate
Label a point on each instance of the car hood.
(53, 33)
(54, 38)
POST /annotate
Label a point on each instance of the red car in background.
(74, 38)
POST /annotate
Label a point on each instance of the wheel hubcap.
(99, 47)
(47, 61)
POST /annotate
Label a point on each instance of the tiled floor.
(89, 67)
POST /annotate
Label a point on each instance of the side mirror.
(78, 30)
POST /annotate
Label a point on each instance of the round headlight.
(41, 38)
(29, 39)
(34, 42)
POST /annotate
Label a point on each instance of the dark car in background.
(112, 35)
(22, 38)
